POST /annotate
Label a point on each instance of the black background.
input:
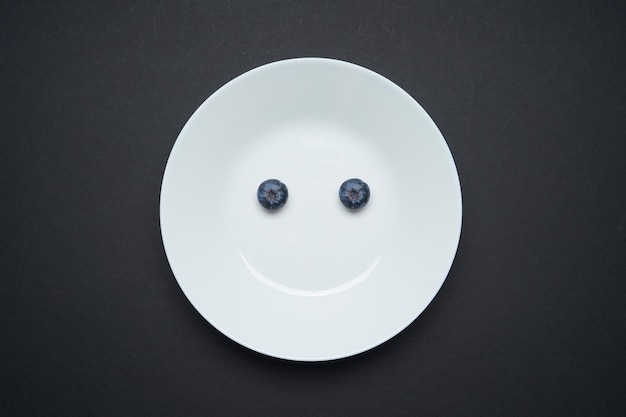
(531, 98)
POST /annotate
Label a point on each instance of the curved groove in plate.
(307, 293)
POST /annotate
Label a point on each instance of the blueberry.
(354, 193)
(272, 194)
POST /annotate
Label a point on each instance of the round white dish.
(313, 280)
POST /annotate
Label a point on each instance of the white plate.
(311, 281)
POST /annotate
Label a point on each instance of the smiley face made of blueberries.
(353, 193)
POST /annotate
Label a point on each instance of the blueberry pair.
(353, 193)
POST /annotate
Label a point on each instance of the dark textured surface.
(531, 97)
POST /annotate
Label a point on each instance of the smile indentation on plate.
(307, 293)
